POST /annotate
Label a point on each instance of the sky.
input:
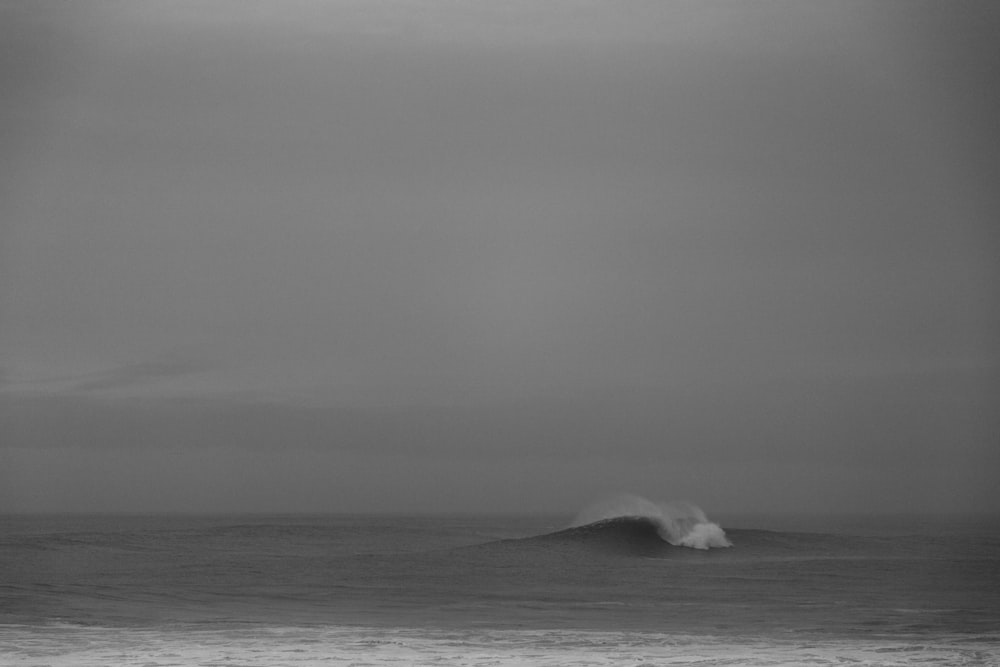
(445, 256)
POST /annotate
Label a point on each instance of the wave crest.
(679, 523)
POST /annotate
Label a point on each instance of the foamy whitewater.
(628, 582)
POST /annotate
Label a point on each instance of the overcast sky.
(435, 255)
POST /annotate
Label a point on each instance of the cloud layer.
(664, 232)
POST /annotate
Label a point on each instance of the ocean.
(647, 587)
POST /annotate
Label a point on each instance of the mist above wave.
(681, 524)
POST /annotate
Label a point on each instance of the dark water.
(848, 580)
(493, 572)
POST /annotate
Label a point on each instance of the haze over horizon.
(432, 256)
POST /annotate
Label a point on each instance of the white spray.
(679, 523)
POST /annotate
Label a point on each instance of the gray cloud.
(142, 372)
(135, 374)
(897, 443)
(460, 234)
(863, 421)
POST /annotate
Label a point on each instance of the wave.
(624, 525)
(678, 523)
(628, 535)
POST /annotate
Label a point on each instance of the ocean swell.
(678, 523)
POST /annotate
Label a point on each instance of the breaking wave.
(678, 523)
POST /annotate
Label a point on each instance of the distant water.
(311, 590)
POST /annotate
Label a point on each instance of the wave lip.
(680, 524)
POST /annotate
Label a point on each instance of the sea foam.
(25, 646)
